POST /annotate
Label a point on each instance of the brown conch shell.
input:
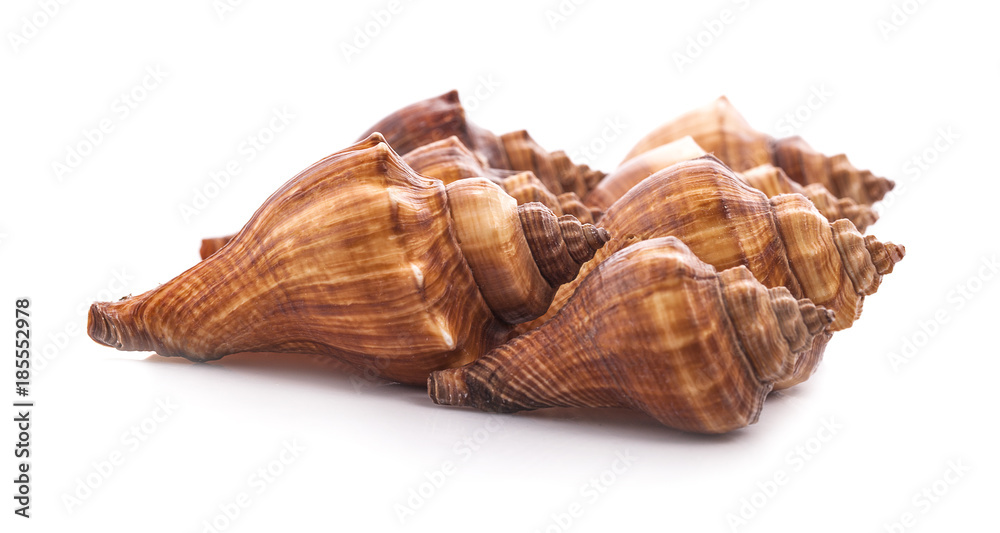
(640, 167)
(773, 181)
(719, 128)
(449, 160)
(443, 116)
(361, 258)
(784, 241)
(768, 179)
(653, 329)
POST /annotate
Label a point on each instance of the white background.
(367, 445)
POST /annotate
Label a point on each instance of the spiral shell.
(449, 160)
(784, 241)
(773, 181)
(767, 178)
(443, 116)
(653, 329)
(720, 129)
(357, 257)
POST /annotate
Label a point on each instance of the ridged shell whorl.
(773, 181)
(654, 329)
(435, 119)
(640, 167)
(720, 129)
(441, 117)
(449, 160)
(500, 247)
(357, 257)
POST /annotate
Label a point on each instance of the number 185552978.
(22, 346)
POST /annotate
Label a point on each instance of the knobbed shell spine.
(664, 334)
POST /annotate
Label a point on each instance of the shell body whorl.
(640, 167)
(664, 334)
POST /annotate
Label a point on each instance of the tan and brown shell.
(720, 129)
(441, 117)
(361, 258)
(654, 329)
(784, 241)
(767, 178)
(449, 160)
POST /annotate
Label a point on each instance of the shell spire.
(443, 116)
(357, 257)
(656, 330)
(435, 119)
(772, 181)
(719, 128)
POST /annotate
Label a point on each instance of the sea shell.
(449, 160)
(767, 178)
(653, 329)
(640, 167)
(443, 116)
(773, 181)
(361, 258)
(719, 128)
(784, 240)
